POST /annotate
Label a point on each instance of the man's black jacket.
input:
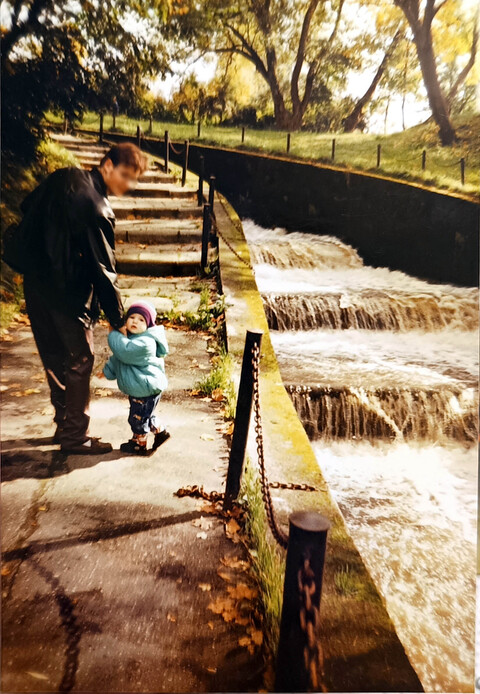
(69, 231)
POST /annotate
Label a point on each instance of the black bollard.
(207, 225)
(424, 160)
(199, 126)
(185, 163)
(139, 136)
(379, 155)
(242, 420)
(243, 133)
(307, 540)
(211, 192)
(201, 176)
(462, 170)
(166, 151)
(288, 142)
(100, 134)
(333, 149)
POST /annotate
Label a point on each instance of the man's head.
(121, 167)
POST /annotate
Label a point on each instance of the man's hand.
(122, 330)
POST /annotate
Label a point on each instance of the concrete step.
(143, 208)
(162, 293)
(162, 190)
(159, 231)
(157, 260)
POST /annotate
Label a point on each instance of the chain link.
(277, 532)
(309, 622)
(229, 245)
(174, 150)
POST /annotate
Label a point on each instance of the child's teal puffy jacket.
(137, 362)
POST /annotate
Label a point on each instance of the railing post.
(185, 163)
(211, 192)
(207, 224)
(242, 420)
(114, 124)
(333, 149)
(379, 154)
(139, 136)
(307, 542)
(65, 124)
(166, 151)
(199, 125)
(100, 133)
(288, 142)
(201, 176)
(424, 160)
(462, 170)
(243, 133)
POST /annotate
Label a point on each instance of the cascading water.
(383, 371)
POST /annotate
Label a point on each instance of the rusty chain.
(277, 532)
(174, 150)
(309, 622)
(229, 245)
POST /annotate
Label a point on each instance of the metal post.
(166, 151)
(185, 163)
(200, 180)
(100, 134)
(424, 160)
(379, 154)
(139, 136)
(242, 420)
(65, 124)
(207, 223)
(307, 541)
(462, 170)
(114, 125)
(211, 192)
(243, 133)
(288, 142)
(333, 149)
(199, 125)
(150, 124)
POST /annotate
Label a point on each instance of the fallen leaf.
(103, 392)
(231, 528)
(207, 437)
(225, 575)
(36, 675)
(202, 523)
(242, 592)
(202, 535)
(217, 394)
(171, 618)
(5, 571)
(213, 670)
(256, 636)
(195, 391)
(210, 624)
(235, 563)
(208, 508)
(205, 586)
(28, 391)
(43, 508)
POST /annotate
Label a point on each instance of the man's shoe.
(133, 448)
(160, 438)
(92, 446)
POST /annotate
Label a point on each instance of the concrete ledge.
(361, 649)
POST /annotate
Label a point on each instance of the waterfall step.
(370, 310)
(387, 413)
(141, 208)
(164, 231)
(157, 260)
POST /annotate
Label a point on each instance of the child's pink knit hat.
(145, 309)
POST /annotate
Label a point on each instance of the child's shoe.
(134, 447)
(159, 438)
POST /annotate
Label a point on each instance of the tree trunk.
(353, 119)
(436, 99)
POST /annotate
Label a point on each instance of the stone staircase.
(159, 223)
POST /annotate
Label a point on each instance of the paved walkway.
(110, 581)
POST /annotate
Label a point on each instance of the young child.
(138, 365)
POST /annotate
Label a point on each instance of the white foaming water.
(377, 358)
(412, 514)
(403, 355)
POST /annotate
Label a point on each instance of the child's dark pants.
(141, 418)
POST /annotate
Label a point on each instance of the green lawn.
(401, 153)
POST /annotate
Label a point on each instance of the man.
(69, 275)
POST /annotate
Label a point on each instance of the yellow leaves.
(227, 428)
(5, 570)
(231, 530)
(242, 592)
(17, 280)
(224, 607)
(217, 394)
(103, 392)
(205, 586)
(207, 437)
(23, 393)
(252, 640)
(235, 563)
(171, 618)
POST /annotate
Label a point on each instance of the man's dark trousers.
(65, 346)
